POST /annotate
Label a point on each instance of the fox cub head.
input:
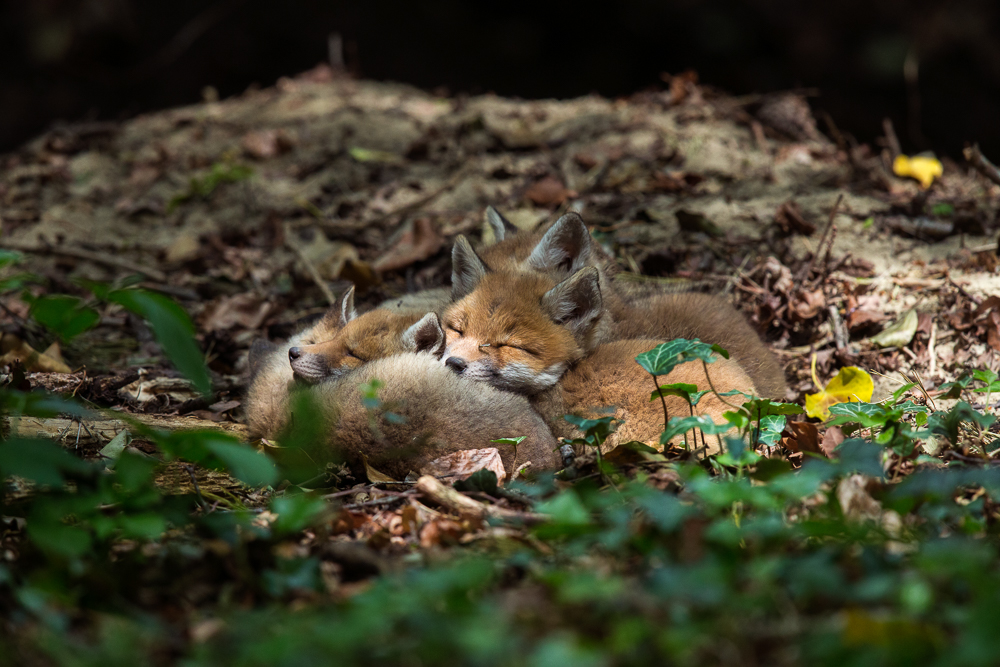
(518, 331)
(564, 249)
(362, 338)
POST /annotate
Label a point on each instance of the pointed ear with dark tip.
(260, 350)
(467, 269)
(565, 246)
(501, 226)
(347, 312)
(427, 335)
(576, 302)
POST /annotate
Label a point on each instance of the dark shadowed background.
(933, 66)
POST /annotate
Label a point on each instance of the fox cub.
(441, 412)
(359, 339)
(566, 247)
(523, 333)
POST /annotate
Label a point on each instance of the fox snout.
(307, 367)
(456, 364)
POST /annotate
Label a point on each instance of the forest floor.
(255, 212)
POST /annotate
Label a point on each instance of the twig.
(462, 504)
(194, 481)
(981, 164)
(377, 501)
(311, 268)
(804, 273)
(89, 255)
(931, 352)
(837, 324)
(891, 138)
(454, 180)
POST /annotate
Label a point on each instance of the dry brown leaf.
(460, 465)
(263, 144)
(855, 498)
(833, 437)
(859, 319)
(15, 349)
(808, 304)
(247, 310)
(803, 438)
(548, 191)
(789, 218)
(373, 475)
(418, 242)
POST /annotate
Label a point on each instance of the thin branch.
(982, 165)
(89, 255)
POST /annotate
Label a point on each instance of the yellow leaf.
(924, 168)
(850, 384)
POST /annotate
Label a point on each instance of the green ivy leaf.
(680, 389)
(865, 414)
(680, 425)
(666, 356)
(296, 512)
(771, 427)
(40, 461)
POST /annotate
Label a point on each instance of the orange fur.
(373, 335)
(611, 377)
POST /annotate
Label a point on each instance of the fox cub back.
(359, 339)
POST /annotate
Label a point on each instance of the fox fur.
(566, 247)
(376, 334)
(442, 413)
(611, 377)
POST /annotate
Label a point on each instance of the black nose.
(294, 353)
(456, 364)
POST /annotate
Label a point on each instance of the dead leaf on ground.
(437, 531)
(143, 390)
(15, 349)
(418, 241)
(859, 319)
(803, 437)
(548, 191)
(854, 495)
(263, 144)
(460, 465)
(833, 437)
(247, 311)
(789, 219)
(808, 305)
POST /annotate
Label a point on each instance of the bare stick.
(462, 504)
(311, 269)
(89, 255)
(890, 138)
(804, 274)
(982, 165)
(931, 352)
(837, 324)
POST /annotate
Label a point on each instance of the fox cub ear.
(342, 313)
(425, 336)
(566, 246)
(260, 350)
(576, 302)
(467, 269)
(347, 312)
(499, 225)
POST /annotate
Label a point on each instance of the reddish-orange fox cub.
(521, 332)
(359, 339)
(566, 247)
